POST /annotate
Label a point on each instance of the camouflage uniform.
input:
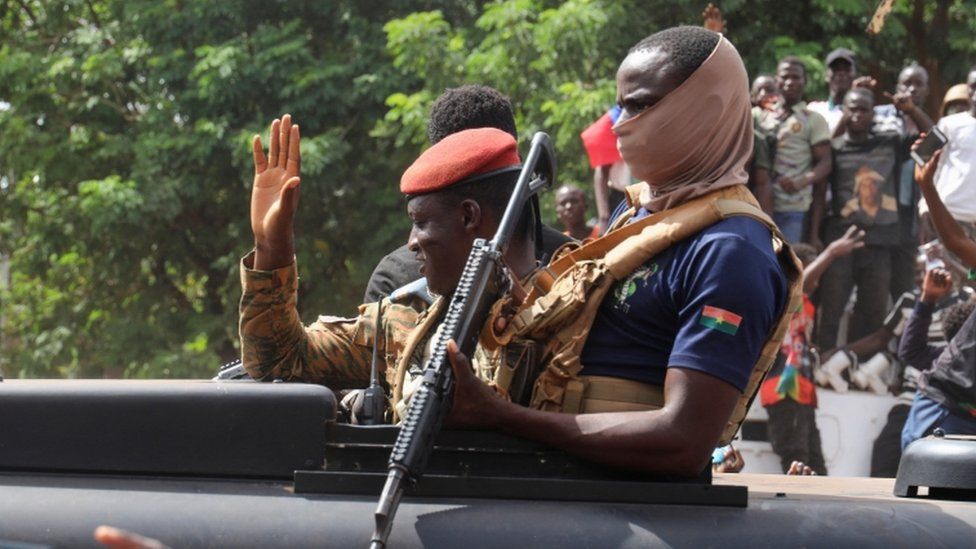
(332, 351)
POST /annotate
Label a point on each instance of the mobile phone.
(934, 140)
(931, 253)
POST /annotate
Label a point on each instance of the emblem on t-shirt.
(795, 127)
(719, 319)
(869, 205)
(628, 286)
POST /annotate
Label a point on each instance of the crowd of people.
(769, 246)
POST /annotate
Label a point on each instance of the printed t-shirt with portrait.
(794, 137)
(887, 118)
(705, 304)
(863, 184)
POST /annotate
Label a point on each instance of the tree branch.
(159, 269)
(95, 19)
(30, 13)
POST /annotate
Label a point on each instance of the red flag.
(600, 142)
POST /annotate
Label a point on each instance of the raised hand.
(274, 196)
(925, 175)
(902, 101)
(864, 82)
(712, 18)
(936, 285)
(852, 240)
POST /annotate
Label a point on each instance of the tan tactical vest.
(565, 296)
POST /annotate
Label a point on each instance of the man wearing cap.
(841, 72)
(462, 108)
(694, 326)
(457, 191)
(956, 100)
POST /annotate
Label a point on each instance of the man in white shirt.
(841, 72)
(955, 179)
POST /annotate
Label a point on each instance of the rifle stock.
(482, 282)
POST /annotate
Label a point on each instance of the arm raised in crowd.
(903, 102)
(950, 233)
(913, 348)
(852, 240)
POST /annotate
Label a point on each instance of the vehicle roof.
(200, 464)
(811, 512)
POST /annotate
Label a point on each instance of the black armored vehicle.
(241, 464)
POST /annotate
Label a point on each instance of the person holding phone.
(951, 233)
(955, 177)
(905, 116)
(946, 396)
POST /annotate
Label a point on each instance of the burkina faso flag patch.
(720, 319)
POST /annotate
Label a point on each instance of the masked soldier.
(653, 337)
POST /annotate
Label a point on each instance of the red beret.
(461, 157)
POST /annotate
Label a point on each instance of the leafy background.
(124, 131)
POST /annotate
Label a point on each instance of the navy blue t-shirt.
(706, 304)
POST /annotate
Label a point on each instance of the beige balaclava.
(697, 139)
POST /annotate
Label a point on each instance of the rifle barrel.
(389, 501)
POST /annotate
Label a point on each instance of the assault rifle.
(482, 282)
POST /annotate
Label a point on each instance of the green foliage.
(125, 127)
(126, 157)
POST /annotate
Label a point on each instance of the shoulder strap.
(416, 336)
(618, 254)
(673, 224)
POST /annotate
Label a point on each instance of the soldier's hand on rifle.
(274, 197)
(475, 403)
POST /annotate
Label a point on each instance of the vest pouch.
(563, 303)
(519, 370)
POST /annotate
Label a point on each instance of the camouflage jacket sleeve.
(332, 351)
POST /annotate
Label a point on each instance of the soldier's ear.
(471, 215)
